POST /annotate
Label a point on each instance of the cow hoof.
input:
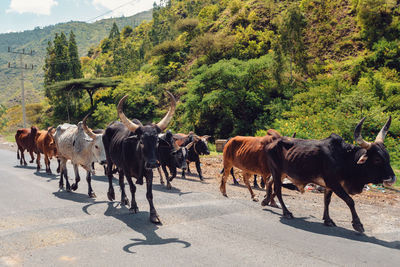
(155, 219)
(92, 195)
(288, 215)
(31, 161)
(264, 202)
(329, 223)
(111, 196)
(162, 182)
(274, 205)
(74, 186)
(255, 199)
(49, 172)
(68, 189)
(25, 164)
(169, 186)
(60, 186)
(38, 169)
(58, 170)
(134, 210)
(256, 186)
(225, 195)
(125, 201)
(358, 227)
(201, 178)
(139, 181)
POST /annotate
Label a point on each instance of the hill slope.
(87, 35)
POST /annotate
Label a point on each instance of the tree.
(114, 32)
(291, 32)
(75, 67)
(61, 61)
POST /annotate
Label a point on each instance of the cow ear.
(88, 139)
(362, 159)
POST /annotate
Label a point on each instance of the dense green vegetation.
(239, 67)
(86, 35)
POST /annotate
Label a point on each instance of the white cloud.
(128, 8)
(40, 7)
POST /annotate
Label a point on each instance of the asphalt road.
(42, 226)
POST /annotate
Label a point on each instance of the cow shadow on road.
(318, 228)
(25, 167)
(49, 176)
(73, 196)
(173, 190)
(138, 222)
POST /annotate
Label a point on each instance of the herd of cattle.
(134, 150)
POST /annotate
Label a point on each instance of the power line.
(21, 67)
(112, 10)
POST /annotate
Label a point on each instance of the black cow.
(198, 148)
(132, 148)
(340, 167)
(172, 156)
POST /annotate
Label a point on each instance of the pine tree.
(114, 32)
(75, 67)
(49, 71)
(61, 58)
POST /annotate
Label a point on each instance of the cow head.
(374, 157)
(97, 146)
(200, 144)
(148, 134)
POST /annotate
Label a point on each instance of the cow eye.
(96, 147)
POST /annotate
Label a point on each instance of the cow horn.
(164, 122)
(358, 137)
(188, 146)
(127, 122)
(49, 130)
(86, 129)
(382, 134)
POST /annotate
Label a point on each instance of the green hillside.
(239, 67)
(87, 35)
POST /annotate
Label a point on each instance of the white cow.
(83, 147)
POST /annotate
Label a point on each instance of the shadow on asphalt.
(73, 196)
(173, 190)
(138, 222)
(49, 177)
(320, 228)
(25, 167)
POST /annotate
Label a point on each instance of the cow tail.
(222, 171)
(18, 154)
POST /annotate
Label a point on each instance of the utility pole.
(21, 67)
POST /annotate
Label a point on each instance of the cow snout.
(103, 162)
(207, 152)
(390, 181)
(152, 164)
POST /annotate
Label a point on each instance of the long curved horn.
(164, 122)
(86, 129)
(127, 122)
(382, 134)
(358, 137)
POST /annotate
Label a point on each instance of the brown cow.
(248, 154)
(25, 139)
(45, 144)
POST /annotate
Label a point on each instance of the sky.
(20, 15)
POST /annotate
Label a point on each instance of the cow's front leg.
(234, 178)
(110, 193)
(339, 191)
(124, 199)
(47, 163)
(246, 178)
(183, 174)
(134, 208)
(89, 182)
(255, 185)
(77, 177)
(23, 158)
(161, 176)
(199, 169)
(278, 192)
(32, 157)
(38, 162)
(154, 218)
(188, 168)
(64, 174)
(327, 200)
